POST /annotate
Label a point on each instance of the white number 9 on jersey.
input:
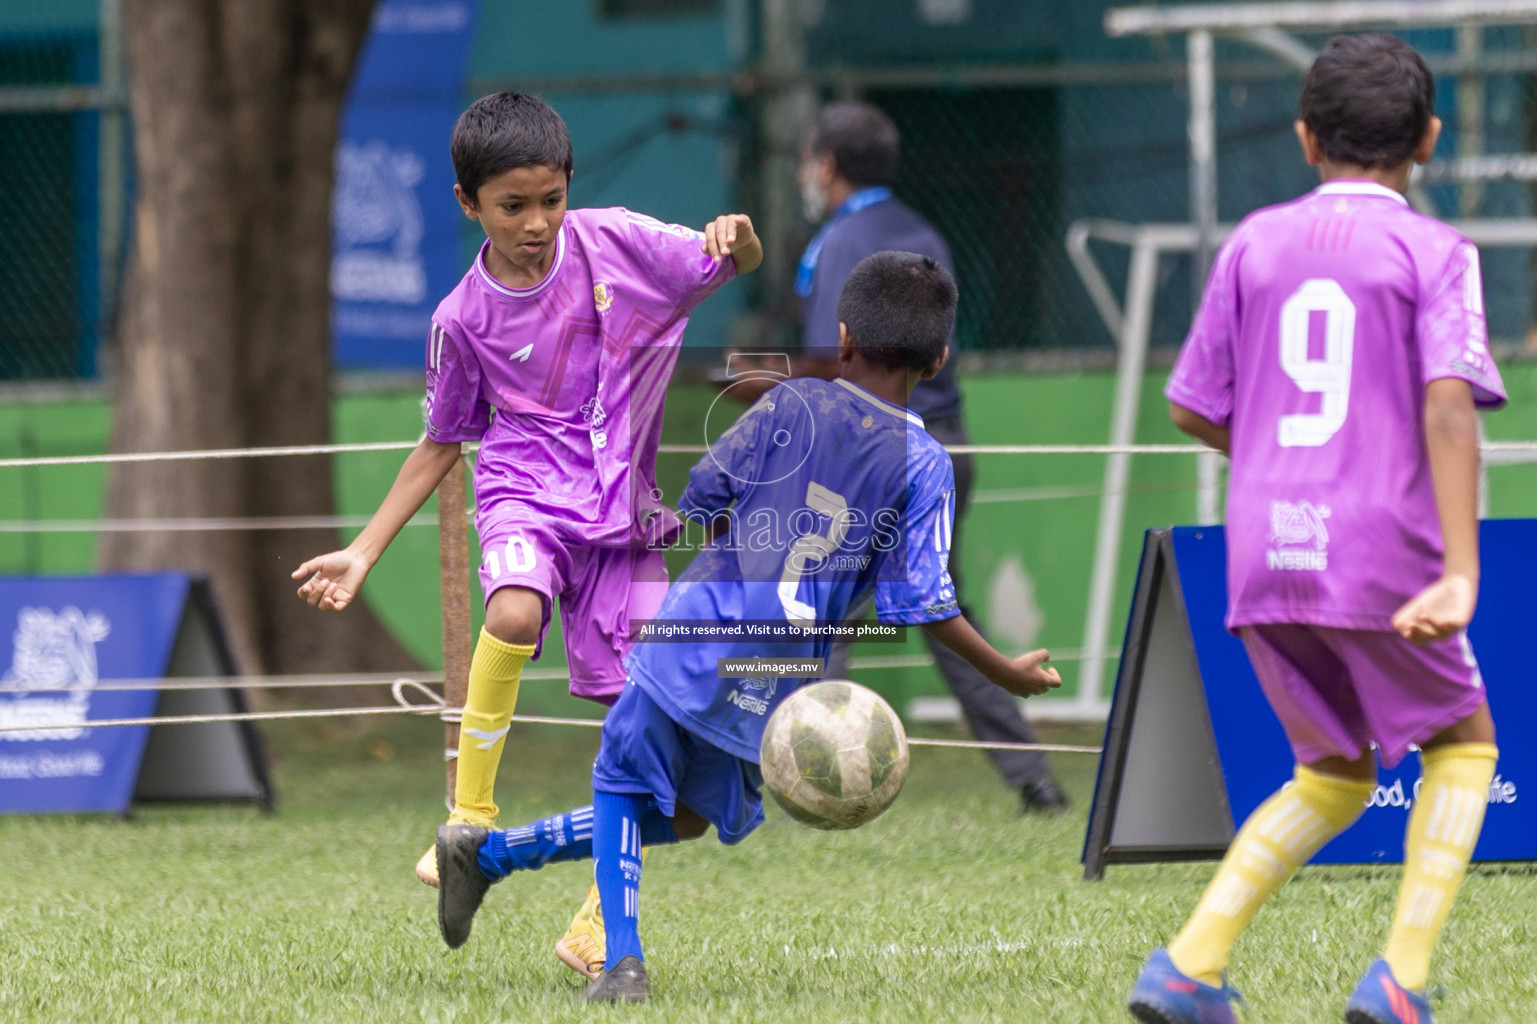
(1329, 376)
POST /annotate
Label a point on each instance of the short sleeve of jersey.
(1453, 335)
(456, 410)
(673, 256)
(721, 477)
(1203, 377)
(912, 584)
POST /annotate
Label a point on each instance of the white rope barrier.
(1504, 452)
(234, 716)
(435, 706)
(214, 524)
(277, 682)
(120, 458)
(1045, 748)
(191, 525)
(342, 680)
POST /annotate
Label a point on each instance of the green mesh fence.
(1002, 168)
(1002, 172)
(993, 194)
(50, 202)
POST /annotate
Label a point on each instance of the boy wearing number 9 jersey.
(1338, 357)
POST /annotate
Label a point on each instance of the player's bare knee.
(514, 615)
(687, 824)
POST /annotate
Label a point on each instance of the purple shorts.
(600, 589)
(1337, 691)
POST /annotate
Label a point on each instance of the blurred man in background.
(847, 168)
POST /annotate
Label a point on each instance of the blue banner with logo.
(62, 637)
(1256, 758)
(395, 223)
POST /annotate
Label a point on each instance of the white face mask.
(813, 199)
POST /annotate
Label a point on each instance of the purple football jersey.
(564, 383)
(1323, 322)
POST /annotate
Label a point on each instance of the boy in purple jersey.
(822, 493)
(1339, 356)
(553, 352)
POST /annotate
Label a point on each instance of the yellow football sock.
(1444, 825)
(495, 671)
(1279, 837)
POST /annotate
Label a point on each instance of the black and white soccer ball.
(834, 755)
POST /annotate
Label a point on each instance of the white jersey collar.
(880, 403)
(1357, 187)
(523, 293)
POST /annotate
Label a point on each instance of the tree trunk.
(225, 335)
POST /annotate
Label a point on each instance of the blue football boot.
(1166, 996)
(1380, 999)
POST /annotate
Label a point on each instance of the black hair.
(899, 308)
(1368, 98)
(862, 140)
(506, 130)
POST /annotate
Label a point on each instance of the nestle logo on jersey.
(1300, 539)
(1314, 560)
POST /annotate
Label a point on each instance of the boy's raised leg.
(470, 858)
(530, 847)
(461, 884)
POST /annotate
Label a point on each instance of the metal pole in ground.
(1203, 158)
(111, 193)
(454, 577)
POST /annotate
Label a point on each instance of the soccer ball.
(834, 755)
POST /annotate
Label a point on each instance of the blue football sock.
(622, 823)
(530, 847)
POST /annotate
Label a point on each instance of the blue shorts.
(645, 753)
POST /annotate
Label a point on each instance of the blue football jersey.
(829, 493)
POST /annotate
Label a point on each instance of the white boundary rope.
(397, 681)
(119, 458)
(298, 682)
(1045, 748)
(435, 706)
(192, 525)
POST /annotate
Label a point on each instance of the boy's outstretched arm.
(1201, 428)
(732, 234)
(1451, 440)
(1024, 676)
(334, 578)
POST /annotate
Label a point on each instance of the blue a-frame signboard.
(63, 640)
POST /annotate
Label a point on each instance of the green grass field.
(951, 907)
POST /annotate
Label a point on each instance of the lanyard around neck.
(863, 199)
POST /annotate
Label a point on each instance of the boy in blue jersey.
(822, 493)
